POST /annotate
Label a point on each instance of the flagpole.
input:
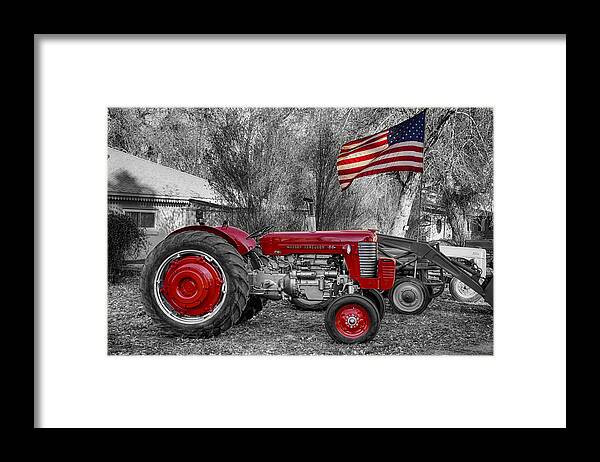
(421, 179)
(420, 200)
(421, 190)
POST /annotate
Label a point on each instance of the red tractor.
(201, 280)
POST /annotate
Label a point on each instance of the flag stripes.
(399, 148)
(363, 141)
(367, 165)
(402, 167)
(406, 156)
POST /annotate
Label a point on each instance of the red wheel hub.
(352, 320)
(192, 286)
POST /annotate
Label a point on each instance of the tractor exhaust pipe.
(312, 222)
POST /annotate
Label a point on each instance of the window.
(143, 218)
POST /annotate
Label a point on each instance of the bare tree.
(333, 209)
(244, 161)
(263, 161)
(461, 168)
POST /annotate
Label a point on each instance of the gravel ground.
(445, 327)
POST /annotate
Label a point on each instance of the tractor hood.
(335, 242)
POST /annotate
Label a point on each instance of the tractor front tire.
(352, 319)
(195, 283)
(409, 296)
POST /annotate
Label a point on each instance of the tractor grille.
(367, 255)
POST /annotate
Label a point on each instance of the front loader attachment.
(488, 296)
(424, 251)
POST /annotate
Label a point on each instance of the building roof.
(133, 176)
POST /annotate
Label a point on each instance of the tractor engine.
(312, 277)
(318, 265)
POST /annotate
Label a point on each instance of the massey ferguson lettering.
(311, 247)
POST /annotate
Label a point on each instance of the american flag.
(396, 149)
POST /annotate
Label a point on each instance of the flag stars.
(409, 130)
(386, 159)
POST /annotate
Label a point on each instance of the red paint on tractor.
(327, 242)
(302, 242)
(386, 270)
(352, 320)
(235, 236)
(192, 286)
(343, 243)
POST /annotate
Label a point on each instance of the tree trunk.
(413, 220)
(408, 194)
(410, 188)
(457, 218)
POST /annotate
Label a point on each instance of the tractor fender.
(235, 236)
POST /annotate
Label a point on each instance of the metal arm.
(425, 251)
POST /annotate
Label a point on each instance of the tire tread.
(232, 262)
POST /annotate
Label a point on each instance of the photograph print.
(300, 231)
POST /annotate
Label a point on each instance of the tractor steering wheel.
(260, 232)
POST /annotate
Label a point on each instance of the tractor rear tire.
(409, 296)
(352, 319)
(253, 307)
(301, 304)
(195, 283)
